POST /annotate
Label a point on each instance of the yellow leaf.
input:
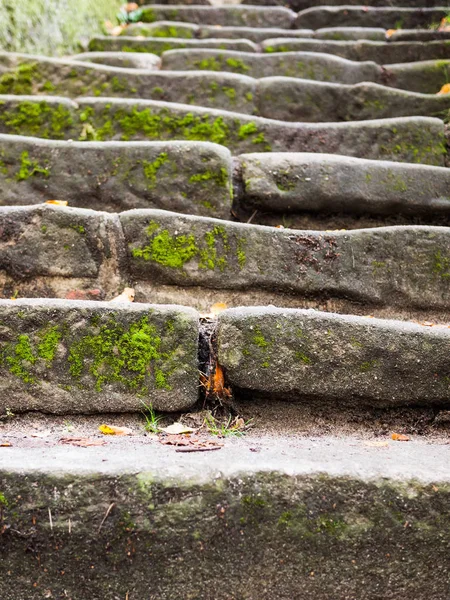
(57, 202)
(390, 32)
(126, 296)
(399, 437)
(218, 307)
(445, 89)
(113, 430)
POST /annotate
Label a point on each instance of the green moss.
(259, 340)
(209, 64)
(441, 265)
(171, 31)
(167, 250)
(118, 85)
(48, 87)
(151, 168)
(3, 500)
(230, 93)
(304, 358)
(241, 256)
(78, 228)
(39, 119)
(208, 258)
(368, 365)
(20, 357)
(237, 65)
(120, 355)
(30, 168)
(271, 49)
(20, 81)
(220, 177)
(49, 343)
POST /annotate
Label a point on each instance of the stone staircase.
(290, 161)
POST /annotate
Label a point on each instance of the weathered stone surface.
(127, 60)
(288, 99)
(386, 17)
(306, 65)
(262, 524)
(350, 33)
(420, 35)
(65, 357)
(380, 52)
(298, 5)
(426, 77)
(159, 45)
(287, 182)
(346, 359)
(387, 266)
(170, 29)
(191, 177)
(407, 139)
(232, 16)
(39, 75)
(54, 251)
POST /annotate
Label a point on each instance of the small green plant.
(152, 420)
(233, 427)
(8, 414)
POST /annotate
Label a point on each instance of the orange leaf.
(445, 89)
(399, 437)
(113, 430)
(5, 444)
(57, 202)
(390, 32)
(218, 307)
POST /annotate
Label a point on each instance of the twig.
(190, 449)
(50, 518)
(252, 216)
(70, 526)
(106, 515)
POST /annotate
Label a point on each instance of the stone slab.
(232, 16)
(325, 502)
(298, 5)
(289, 183)
(426, 77)
(47, 76)
(126, 60)
(191, 177)
(56, 251)
(386, 17)
(351, 360)
(421, 35)
(406, 139)
(64, 357)
(350, 33)
(298, 100)
(387, 266)
(305, 65)
(379, 52)
(159, 45)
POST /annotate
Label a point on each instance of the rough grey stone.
(419, 35)
(164, 29)
(426, 77)
(56, 76)
(158, 45)
(388, 266)
(127, 60)
(287, 182)
(191, 177)
(298, 5)
(57, 251)
(346, 359)
(65, 357)
(350, 33)
(367, 16)
(232, 16)
(288, 99)
(380, 52)
(306, 65)
(261, 521)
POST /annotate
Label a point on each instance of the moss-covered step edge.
(423, 76)
(31, 75)
(406, 266)
(420, 35)
(283, 183)
(406, 139)
(158, 45)
(176, 505)
(190, 177)
(63, 356)
(387, 17)
(231, 16)
(299, 100)
(175, 29)
(48, 250)
(380, 52)
(353, 360)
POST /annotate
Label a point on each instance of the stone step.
(159, 45)
(190, 177)
(421, 35)
(126, 60)
(325, 515)
(382, 53)
(175, 29)
(406, 139)
(77, 253)
(368, 16)
(66, 357)
(231, 16)
(297, 5)
(298, 354)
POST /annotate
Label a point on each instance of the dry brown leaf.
(113, 430)
(176, 440)
(5, 444)
(189, 444)
(57, 202)
(400, 437)
(176, 429)
(126, 296)
(82, 442)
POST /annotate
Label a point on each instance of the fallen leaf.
(177, 428)
(400, 437)
(117, 30)
(445, 89)
(5, 444)
(126, 296)
(390, 32)
(188, 444)
(82, 442)
(218, 307)
(377, 444)
(57, 202)
(131, 6)
(113, 430)
(175, 440)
